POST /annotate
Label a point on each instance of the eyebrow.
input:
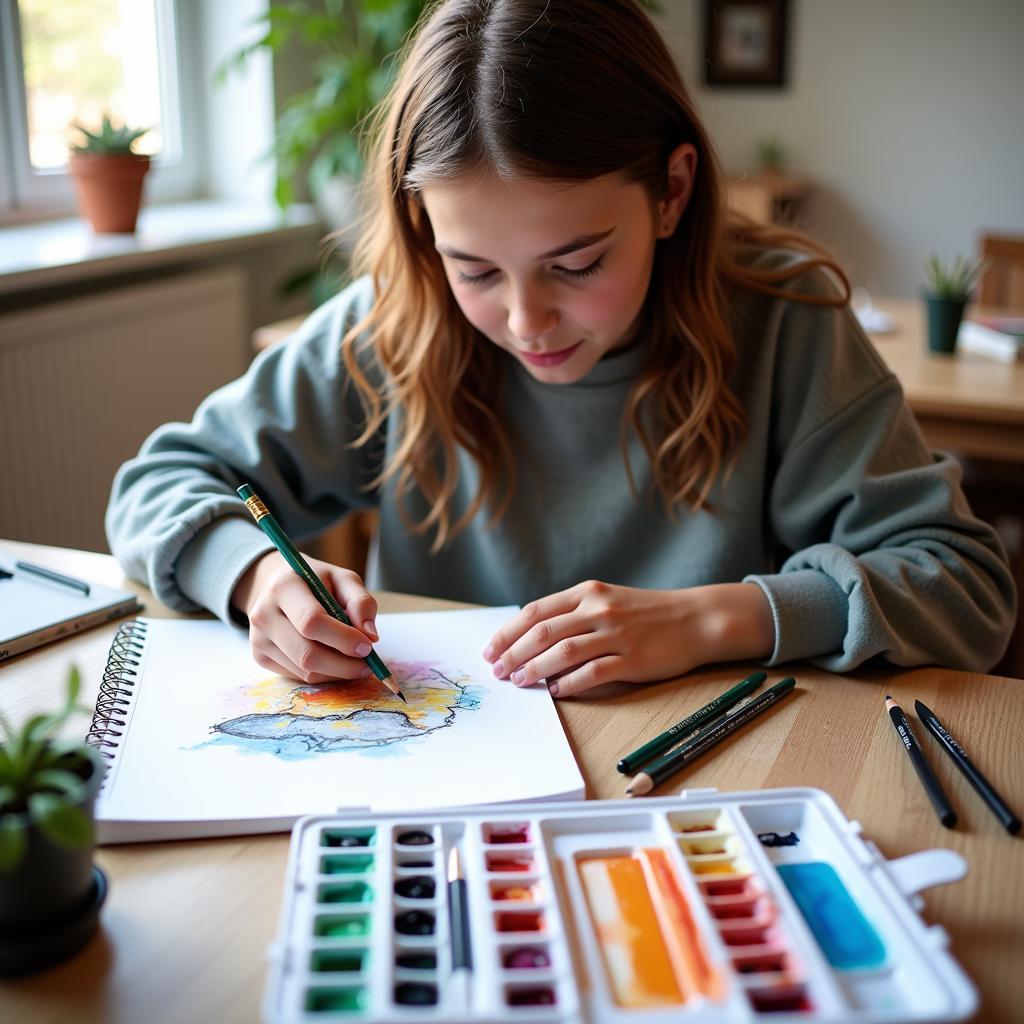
(580, 242)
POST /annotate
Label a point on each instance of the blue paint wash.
(843, 932)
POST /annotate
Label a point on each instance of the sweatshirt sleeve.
(174, 521)
(882, 555)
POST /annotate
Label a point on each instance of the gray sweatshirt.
(858, 535)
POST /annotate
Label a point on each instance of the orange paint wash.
(635, 956)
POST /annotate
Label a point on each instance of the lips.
(550, 358)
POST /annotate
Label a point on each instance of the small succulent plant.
(954, 280)
(109, 139)
(42, 781)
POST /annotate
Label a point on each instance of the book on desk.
(1000, 337)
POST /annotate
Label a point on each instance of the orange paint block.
(694, 969)
(635, 955)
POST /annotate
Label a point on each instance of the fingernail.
(499, 670)
(553, 689)
(366, 673)
(489, 652)
(519, 676)
(371, 629)
(363, 649)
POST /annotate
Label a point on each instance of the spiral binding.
(117, 688)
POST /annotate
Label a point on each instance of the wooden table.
(186, 927)
(964, 402)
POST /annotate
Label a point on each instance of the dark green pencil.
(708, 737)
(291, 555)
(650, 750)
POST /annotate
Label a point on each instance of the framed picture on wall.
(745, 43)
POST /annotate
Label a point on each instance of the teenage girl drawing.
(567, 379)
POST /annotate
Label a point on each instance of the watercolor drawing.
(295, 721)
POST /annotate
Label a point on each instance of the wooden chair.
(995, 489)
(1003, 280)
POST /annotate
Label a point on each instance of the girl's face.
(554, 273)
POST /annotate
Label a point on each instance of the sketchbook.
(34, 610)
(203, 742)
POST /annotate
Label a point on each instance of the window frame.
(177, 173)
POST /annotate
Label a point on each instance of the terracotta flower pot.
(109, 188)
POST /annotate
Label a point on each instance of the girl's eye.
(587, 271)
(475, 278)
(579, 275)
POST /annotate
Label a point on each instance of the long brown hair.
(565, 90)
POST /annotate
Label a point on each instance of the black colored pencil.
(959, 757)
(937, 795)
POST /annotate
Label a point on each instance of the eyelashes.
(575, 275)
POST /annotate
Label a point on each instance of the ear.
(682, 168)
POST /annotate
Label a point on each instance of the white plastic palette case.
(747, 906)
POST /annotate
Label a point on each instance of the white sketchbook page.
(213, 737)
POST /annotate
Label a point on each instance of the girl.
(569, 380)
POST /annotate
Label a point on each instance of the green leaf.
(13, 842)
(7, 794)
(65, 782)
(6, 765)
(59, 821)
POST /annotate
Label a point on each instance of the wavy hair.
(564, 90)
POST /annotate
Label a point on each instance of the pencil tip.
(402, 695)
(888, 696)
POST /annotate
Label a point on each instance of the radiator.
(84, 381)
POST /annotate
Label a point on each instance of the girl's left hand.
(597, 633)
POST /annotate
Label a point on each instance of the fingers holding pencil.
(290, 630)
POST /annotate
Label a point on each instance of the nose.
(530, 317)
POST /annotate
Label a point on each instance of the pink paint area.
(546, 359)
(740, 886)
(526, 958)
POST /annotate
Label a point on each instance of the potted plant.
(50, 891)
(108, 176)
(948, 288)
(348, 49)
(771, 155)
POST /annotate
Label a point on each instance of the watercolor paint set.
(749, 906)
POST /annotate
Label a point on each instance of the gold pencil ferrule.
(257, 508)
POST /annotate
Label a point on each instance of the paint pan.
(843, 932)
(636, 959)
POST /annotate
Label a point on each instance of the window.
(68, 62)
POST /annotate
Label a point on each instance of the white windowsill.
(55, 252)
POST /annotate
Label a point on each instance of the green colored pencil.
(708, 737)
(291, 555)
(650, 750)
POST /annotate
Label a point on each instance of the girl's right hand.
(289, 631)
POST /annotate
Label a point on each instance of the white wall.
(908, 114)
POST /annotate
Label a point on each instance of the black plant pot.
(50, 902)
(944, 316)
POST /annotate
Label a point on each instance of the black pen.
(54, 577)
(959, 757)
(943, 808)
